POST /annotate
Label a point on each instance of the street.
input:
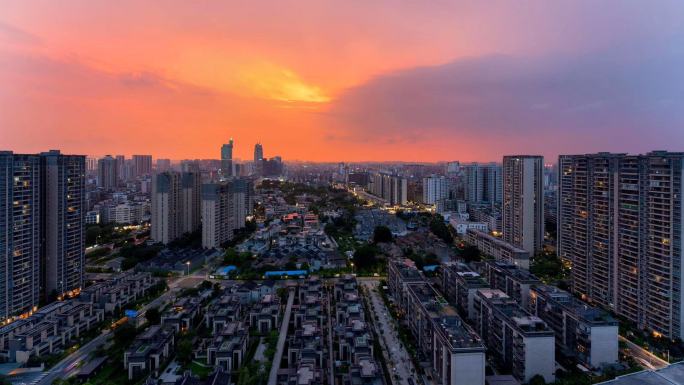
(398, 360)
(643, 356)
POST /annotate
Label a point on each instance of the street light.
(188, 264)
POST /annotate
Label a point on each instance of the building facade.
(483, 182)
(42, 220)
(434, 189)
(142, 165)
(107, 173)
(63, 223)
(523, 202)
(620, 227)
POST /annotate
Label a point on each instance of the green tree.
(365, 257)
(537, 380)
(184, 350)
(471, 253)
(440, 229)
(124, 334)
(382, 234)
(153, 316)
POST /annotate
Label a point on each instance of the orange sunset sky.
(341, 80)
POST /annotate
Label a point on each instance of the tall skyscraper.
(434, 189)
(523, 201)
(175, 205)
(20, 239)
(42, 219)
(258, 158)
(107, 173)
(227, 159)
(483, 182)
(63, 224)
(620, 224)
(142, 165)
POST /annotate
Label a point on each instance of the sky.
(343, 80)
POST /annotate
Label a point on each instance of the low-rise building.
(518, 341)
(460, 284)
(183, 314)
(50, 329)
(513, 280)
(265, 315)
(456, 353)
(497, 248)
(149, 351)
(587, 333)
(400, 273)
(227, 349)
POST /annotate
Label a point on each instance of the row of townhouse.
(48, 331)
(183, 313)
(353, 336)
(585, 333)
(305, 346)
(497, 248)
(230, 318)
(456, 353)
(155, 346)
(149, 351)
(119, 291)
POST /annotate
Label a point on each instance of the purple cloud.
(626, 98)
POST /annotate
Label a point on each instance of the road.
(398, 360)
(69, 365)
(331, 352)
(643, 356)
(273, 376)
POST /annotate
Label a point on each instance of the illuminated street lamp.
(188, 264)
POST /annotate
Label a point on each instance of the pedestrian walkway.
(273, 376)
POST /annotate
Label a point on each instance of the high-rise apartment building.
(121, 168)
(20, 240)
(163, 165)
(434, 189)
(620, 224)
(218, 211)
(63, 223)
(227, 158)
(107, 173)
(390, 188)
(176, 204)
(91, 165)
(142, 165)
(191, 202)
(483, 182)
(523, 202)
(42, 219)
(166, 219)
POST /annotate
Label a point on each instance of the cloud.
(14, 35)
(576, 102)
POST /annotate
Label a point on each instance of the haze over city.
(342, 81)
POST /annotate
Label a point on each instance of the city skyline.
(329, 83)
